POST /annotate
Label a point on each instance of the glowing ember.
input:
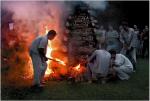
(61, 62)
(77, 67)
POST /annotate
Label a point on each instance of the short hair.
(124, 23)
(112, 51)
(51, 32)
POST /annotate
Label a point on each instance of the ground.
(136, 88)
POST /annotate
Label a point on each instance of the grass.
(136, 88)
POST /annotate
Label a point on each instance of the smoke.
(100, 5)
(35, 13)
(30, 19)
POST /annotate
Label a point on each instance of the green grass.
(136, 88)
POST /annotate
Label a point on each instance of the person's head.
(113, 53)
(135, 26)
(51, 34)
(120, 27)
(125, 25)
(110, 27)
(146, 27)
(101, 27)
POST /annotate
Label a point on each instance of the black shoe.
(37, 86)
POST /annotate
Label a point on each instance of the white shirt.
(101, 64)
(39, 42)
(122, 61)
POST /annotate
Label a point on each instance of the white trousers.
(123, 72)
(133, 54)
(39, 68)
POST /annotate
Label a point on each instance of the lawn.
(136, 88)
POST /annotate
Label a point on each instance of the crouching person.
(98, 64)
(38, 55)
(121, 65)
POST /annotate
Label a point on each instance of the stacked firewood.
(81, 27)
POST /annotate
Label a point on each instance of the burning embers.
(54, 71)
(76, 73)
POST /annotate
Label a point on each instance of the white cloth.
(133, 54)
(129, 37)
(39, 42)
(124, 66)
(101, 63)
(39, 67)
(126, 36)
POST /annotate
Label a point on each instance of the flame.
(77, 67)
(61, 62)
(48, 54)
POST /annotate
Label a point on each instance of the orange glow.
(61, 62)
(77, 67)
(21, 37)
(49, 55)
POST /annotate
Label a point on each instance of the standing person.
(137, 32)
(129, 41)
(134, 42)
(98, 63)
(121, 65)
(38, 55)
(112, 39)
(100, 36)
(145, 38)
(120, 28)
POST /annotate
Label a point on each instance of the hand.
(125, 46)
(45, 58)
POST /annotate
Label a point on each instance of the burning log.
(57, 60)
(76, 73)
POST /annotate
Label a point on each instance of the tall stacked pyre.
(81, 26)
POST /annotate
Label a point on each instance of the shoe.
(40, 86)
(134, 71)
(37, 86)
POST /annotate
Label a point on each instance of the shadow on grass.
(10, 93)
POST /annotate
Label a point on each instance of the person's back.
(102, 61)
(121, 65)
(35, 44)
(121, 60)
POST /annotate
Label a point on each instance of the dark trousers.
(129, 56)
(145, 48)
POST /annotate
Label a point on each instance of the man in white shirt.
(98, 64)
(129, 40)
(121, 65)
(38, 55)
